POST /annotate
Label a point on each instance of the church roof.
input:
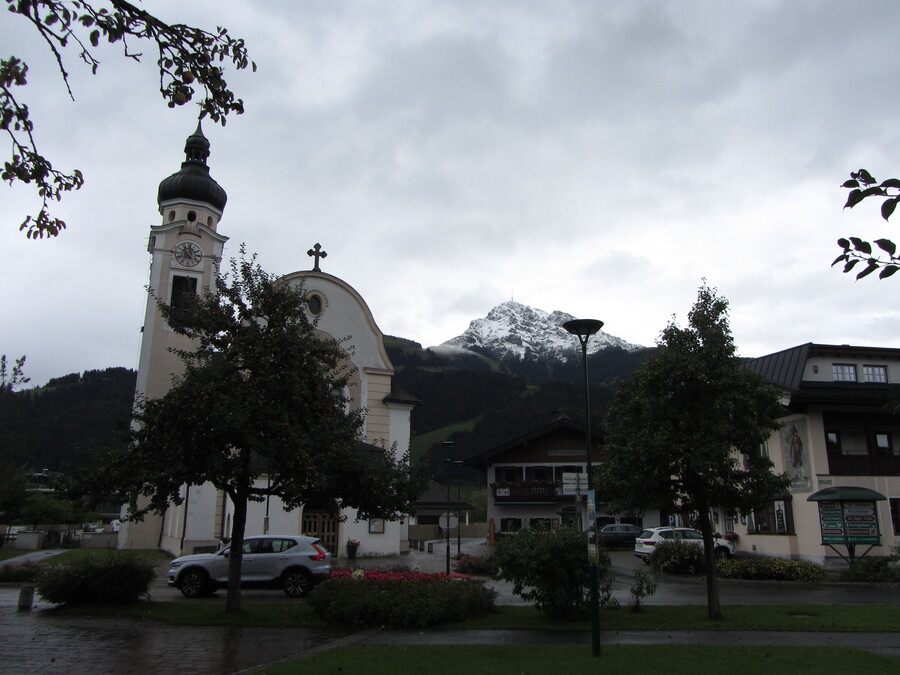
(193, 181)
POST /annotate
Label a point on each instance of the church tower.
(185, 251)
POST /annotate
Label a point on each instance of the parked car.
(619, 535)
(294, 563)
(646, 542)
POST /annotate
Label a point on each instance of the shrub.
(677, 557)
(644, 586)
(399, 599)
(117, 577)
(470, 564)
(550, 567)
(22, 572)
(873, 570)
(770, 569)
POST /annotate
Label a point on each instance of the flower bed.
(399, 598)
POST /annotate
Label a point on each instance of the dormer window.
(843, 372)
(875, 374)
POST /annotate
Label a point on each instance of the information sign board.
(849, 523)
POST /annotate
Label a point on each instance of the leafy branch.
(863, 185)
(189, 59)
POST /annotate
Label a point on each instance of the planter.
(351, 551)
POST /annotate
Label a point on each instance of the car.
(294, 563)
(620, 534)
(646, 542)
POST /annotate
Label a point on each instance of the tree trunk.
(236, 559)
(713, 607)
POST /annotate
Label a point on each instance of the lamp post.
(583, 329)
(458, 464)
(448, 446)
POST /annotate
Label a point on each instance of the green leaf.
(887, 207)
(871, 267)
(844, 244)
(872, 192)
(888, 271)
(891, 183)
(840, 258)
(850, 265)
(95, 37)
(861, 246)
(854, 198)
(850, 184)
(865, 177)
(887, 246)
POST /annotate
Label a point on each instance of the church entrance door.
(323, 525)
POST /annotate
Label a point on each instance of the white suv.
(647, 540)
(294, 563)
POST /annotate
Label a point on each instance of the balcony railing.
(863, 465)
(527, 491)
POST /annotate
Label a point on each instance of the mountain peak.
(512, 327)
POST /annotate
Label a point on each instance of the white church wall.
(372, 540)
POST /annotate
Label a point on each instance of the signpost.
(593, 551)
(448, 521)
(848, 517)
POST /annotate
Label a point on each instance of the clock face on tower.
(188, 254)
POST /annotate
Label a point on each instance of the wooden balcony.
(529, 491)
(863, 465)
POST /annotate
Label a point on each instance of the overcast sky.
(599, 158)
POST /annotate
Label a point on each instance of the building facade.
(186, 250)
(540, 480)
(836, 433)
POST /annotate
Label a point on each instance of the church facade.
(186, 250)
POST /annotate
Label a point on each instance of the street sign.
(448, 521)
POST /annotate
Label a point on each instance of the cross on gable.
(316, 252)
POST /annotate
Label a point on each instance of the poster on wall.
(795, 453)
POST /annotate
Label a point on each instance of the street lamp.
(448, 446)
(458, 464)
(583, 329)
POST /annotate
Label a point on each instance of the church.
(186, 249)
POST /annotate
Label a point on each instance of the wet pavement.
(43, 641)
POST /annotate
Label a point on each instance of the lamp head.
(583, 328)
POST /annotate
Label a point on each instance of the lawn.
(297, 614)
(7, 552)
(619, 659)
(75, 554)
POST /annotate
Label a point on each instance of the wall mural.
(795, 452)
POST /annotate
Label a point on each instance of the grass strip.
(619, 659)
(817, 618)
(7, 553)
(297, 614)
(76, 554)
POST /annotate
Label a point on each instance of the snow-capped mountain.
(512, 327)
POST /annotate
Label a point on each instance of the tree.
(261, 395)
(13, 492)
(863, 185)
(187, 58)
(675, 429)
(12, 378)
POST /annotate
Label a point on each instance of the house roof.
(843, 493)
(481, 460)
(400, 395)
(435, 497)
(785, 369)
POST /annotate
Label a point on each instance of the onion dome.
(193, 181)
